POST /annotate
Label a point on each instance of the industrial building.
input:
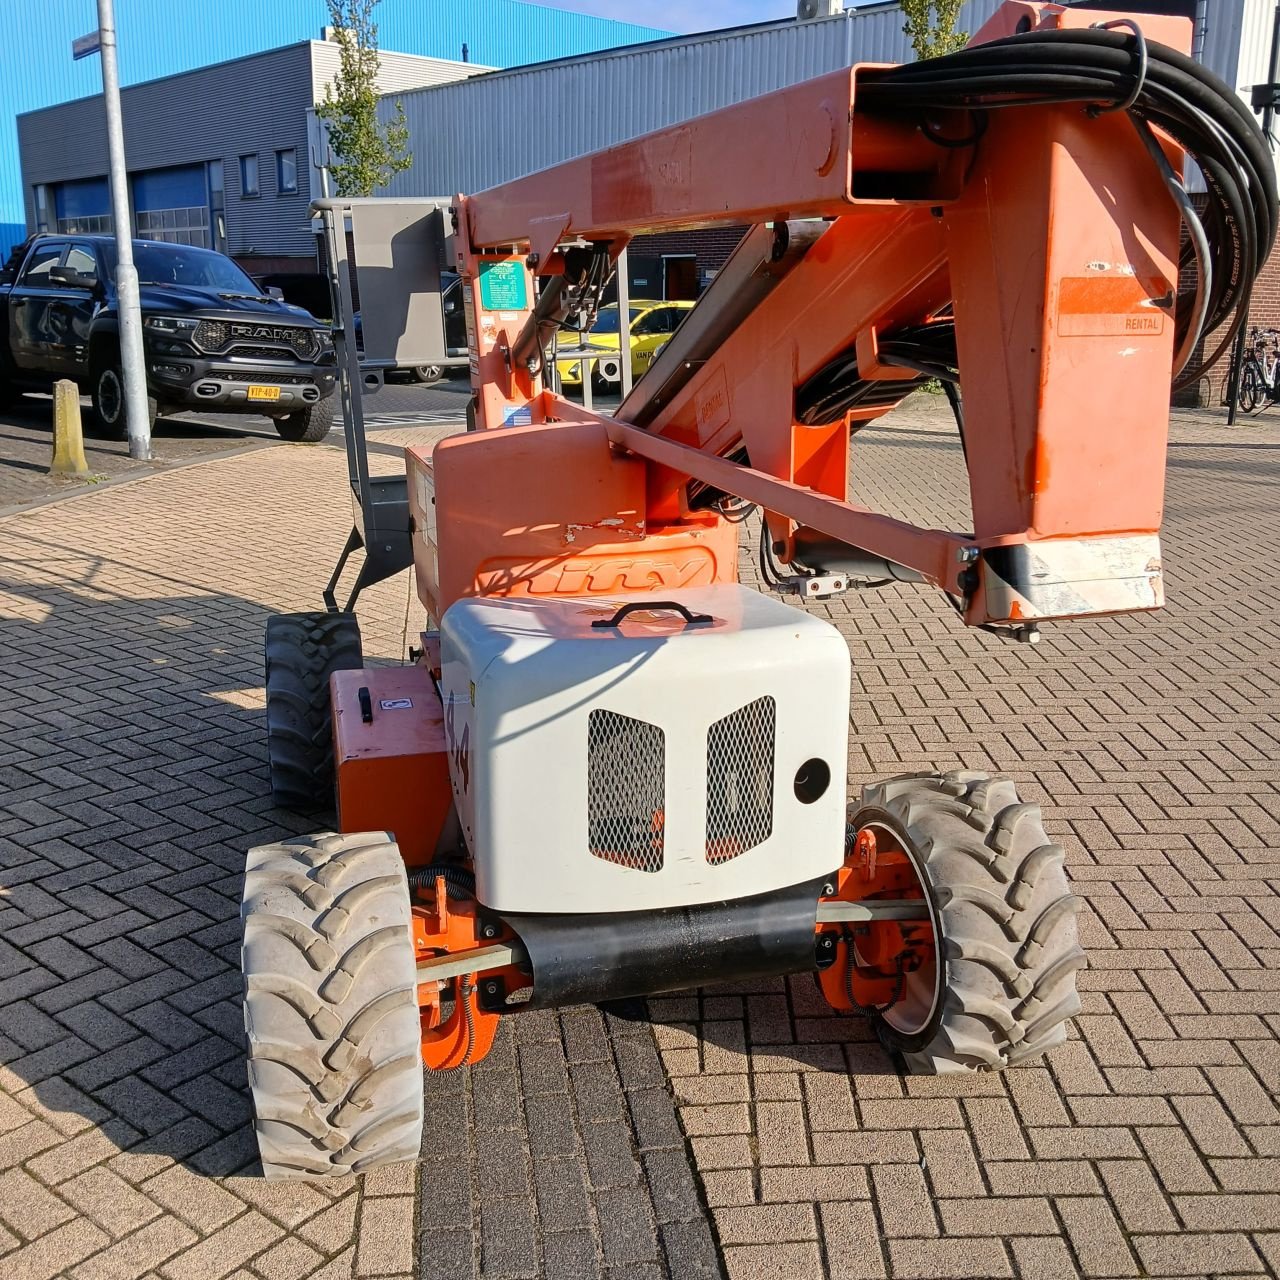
(159, 40)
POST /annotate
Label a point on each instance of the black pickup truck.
(212, 339)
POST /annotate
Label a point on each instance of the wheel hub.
(889, 967)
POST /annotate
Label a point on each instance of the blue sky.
(683, 15)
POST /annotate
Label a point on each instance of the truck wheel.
(302, 651)
(1000, 984)
(427, 373)
(309, 425)
(107, 394)
(330, 1005)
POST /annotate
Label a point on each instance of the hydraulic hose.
(1160, 88)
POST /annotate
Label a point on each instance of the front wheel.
(427, 373)
(309, 425)
(107, 395)
(330, 1005)
(989, 980)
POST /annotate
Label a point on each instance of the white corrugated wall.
(397, 72)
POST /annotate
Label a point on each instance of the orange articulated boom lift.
(614, 770)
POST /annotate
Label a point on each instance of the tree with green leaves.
(932, 36)
(366, 153)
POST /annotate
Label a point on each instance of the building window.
(175, 226)
(287, 172)
(249, 176)
(86, 224)
(43, 215)
(217, 206)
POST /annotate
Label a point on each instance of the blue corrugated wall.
(161, 37)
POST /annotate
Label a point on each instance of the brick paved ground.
(132, 766)
(1150, 1144)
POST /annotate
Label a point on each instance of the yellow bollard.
(68, 438)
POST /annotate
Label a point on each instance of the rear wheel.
(427, 373)
(108, 397)
(330, 1005)
(1251, 390)
(309, 425)
(302, 651)
(990, 981)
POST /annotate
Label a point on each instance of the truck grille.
(740, 751)
(253, 339)
(626, 790)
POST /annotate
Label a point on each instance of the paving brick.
(829, 1101)
(1042, 1177)
(611, 1160)
(813, 1182)
(690, 1251)
(1229, 1212)
(1186, 1254)
(956, 1259)
(1096, 1237)
(385, 1243)
(571, 1255)
(1136, 1196)
(672, 1189)
(781, 1133)
(906, 1208)
(1043, 1258)
(562, 1195)
(1005, 1215)
(765, 1224)
(627, 1232)
(774, 1262)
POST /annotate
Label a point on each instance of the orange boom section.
(1041, 243)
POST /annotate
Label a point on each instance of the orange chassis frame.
(1055, 243)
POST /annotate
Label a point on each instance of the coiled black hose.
(1175, 95)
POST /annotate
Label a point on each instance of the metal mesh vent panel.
(626, 790)
(740, 750)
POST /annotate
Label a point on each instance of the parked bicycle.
(1260, 377)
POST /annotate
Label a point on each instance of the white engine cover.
(651, 764)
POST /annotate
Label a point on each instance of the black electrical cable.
(836, 388)
(1111, 70)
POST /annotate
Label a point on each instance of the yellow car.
(652, 323)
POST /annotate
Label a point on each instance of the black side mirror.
(72, 278)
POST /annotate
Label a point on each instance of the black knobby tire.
(330, 1005)
(309, 425)
(1251, 390)
(106, 391)
(302, 651)
(1004, 920)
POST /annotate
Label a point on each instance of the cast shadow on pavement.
(134, 778)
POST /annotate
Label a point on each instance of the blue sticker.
(519, 417)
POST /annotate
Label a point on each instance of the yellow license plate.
(263, 393)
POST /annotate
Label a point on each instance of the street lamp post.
(132, 363)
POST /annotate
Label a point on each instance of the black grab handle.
(636, 606)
